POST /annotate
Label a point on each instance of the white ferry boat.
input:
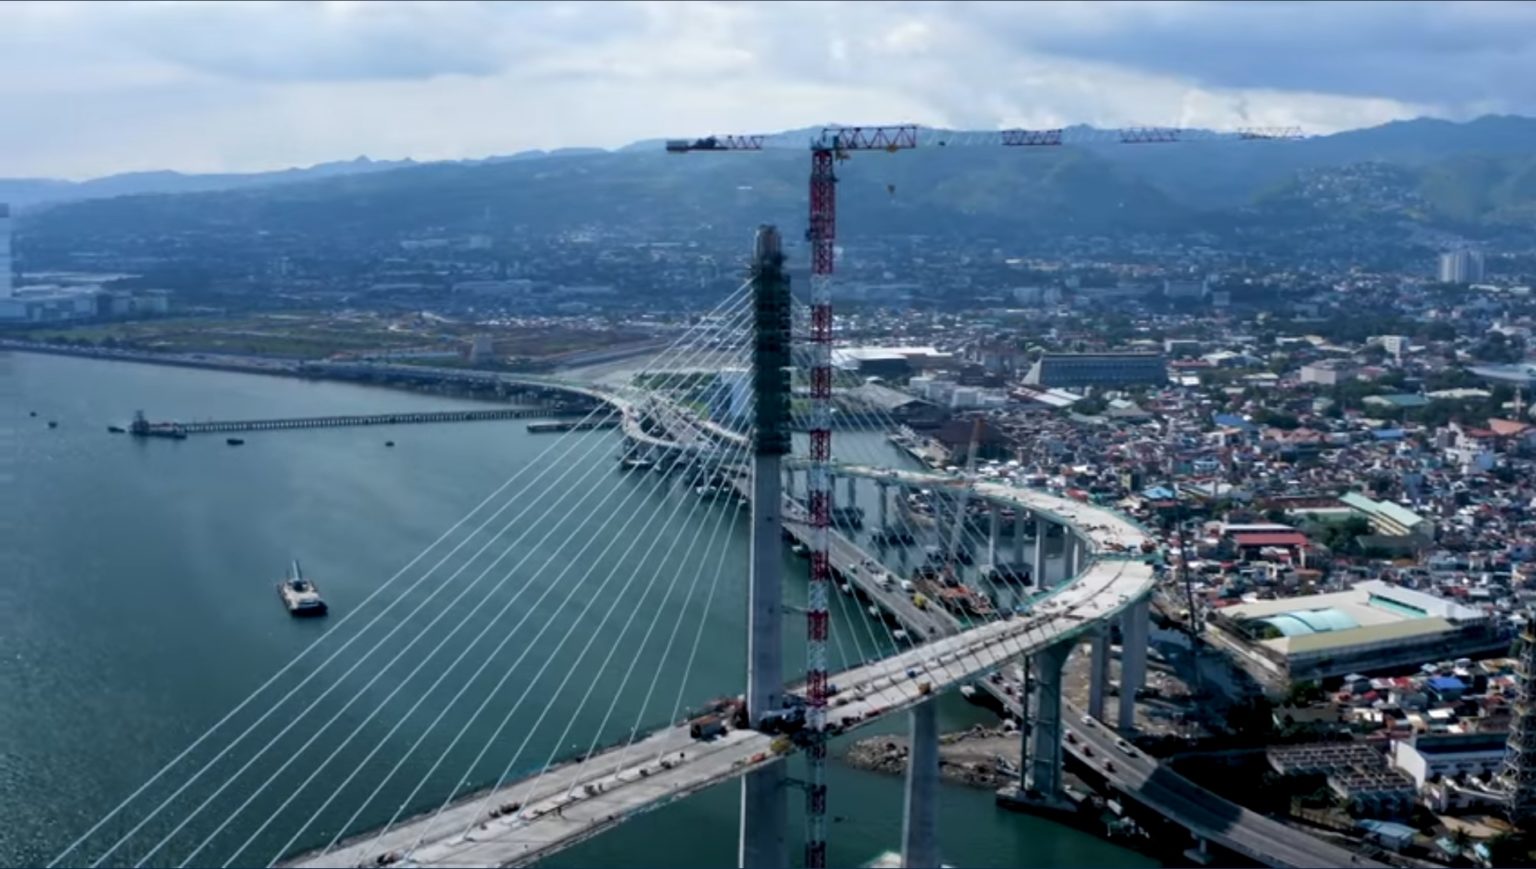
(299, 594)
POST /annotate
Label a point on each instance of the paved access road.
(1212, 817)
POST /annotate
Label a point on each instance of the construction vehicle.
(707, 727)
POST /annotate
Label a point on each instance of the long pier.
(563, 426)
(144, 428)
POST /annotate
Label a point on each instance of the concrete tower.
(764, 809)
(5, 251)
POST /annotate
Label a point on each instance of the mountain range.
(1476, 178)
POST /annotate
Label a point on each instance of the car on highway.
(1125, 747)
(1072, 737)
(1088, 721)
(1109, 766)
(1087, 750)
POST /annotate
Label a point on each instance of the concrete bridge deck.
(557, 811)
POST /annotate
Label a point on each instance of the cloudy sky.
(89, 89)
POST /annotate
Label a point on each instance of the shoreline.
(258, 365)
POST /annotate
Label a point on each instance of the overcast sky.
(88, 89)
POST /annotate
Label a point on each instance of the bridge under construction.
(918, 649)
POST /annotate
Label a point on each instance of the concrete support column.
(1019, 520)
(1039, 569)
(764, 819)
(1200, 854)
(1133, 660)
(885, 505)
(1098, 673)
(920, 818)
(765, 639)
(992, 535)
(853, 492)
(1068, 554)
(1042, 772)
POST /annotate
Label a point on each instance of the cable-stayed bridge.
(564, 598)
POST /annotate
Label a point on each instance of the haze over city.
(89, 89)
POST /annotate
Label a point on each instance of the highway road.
(1221, 821)
(1155, 785)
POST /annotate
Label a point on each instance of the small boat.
(116, 429)
(52, 424)
(389, 443)
(299, 594)
(32, 413)
(234, 442)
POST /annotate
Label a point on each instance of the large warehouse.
(1374, 626)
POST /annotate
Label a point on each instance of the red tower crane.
(829, 147)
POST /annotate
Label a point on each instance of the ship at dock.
(141, 427)
(299, 594)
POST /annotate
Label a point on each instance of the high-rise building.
(5, 251)
(1461, 267)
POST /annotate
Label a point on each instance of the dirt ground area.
(983, 757)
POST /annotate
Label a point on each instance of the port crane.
(830, 146)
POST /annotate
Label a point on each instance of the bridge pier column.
(1133, 660)
(885, 505)
(920, 818)
(1042, 750)
(994, 531)
(1039, 568)
(1200, 854)
(853, 492)
(1019, 520)
(1068, 554)
(1098, 673)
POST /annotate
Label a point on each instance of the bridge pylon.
(764, 807)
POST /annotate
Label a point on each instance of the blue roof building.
(1447, 687)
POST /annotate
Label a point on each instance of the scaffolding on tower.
(1517, 777)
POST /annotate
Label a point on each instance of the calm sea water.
(137, 608)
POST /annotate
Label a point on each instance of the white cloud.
(87, 89)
